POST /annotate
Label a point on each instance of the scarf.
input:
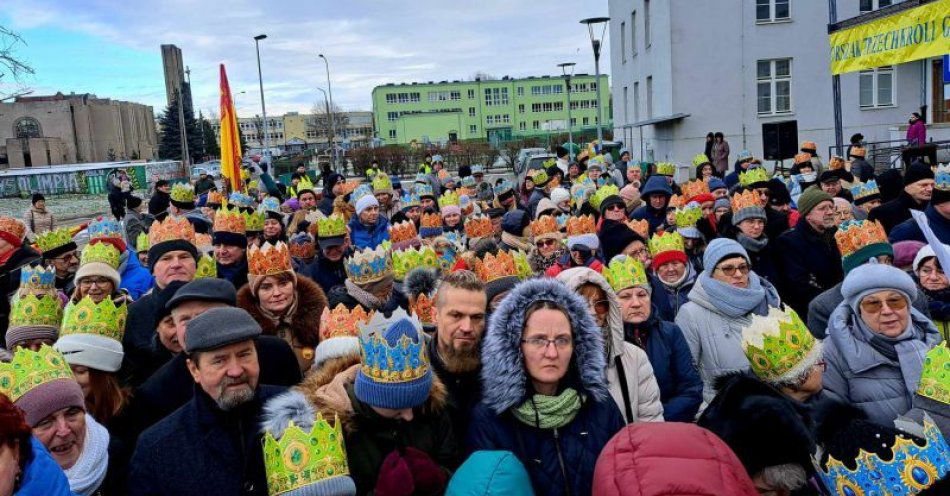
(908, 350)
(364, 297)
(682, 280)
(736, 302)
(549, 412)
(540, 263)
(516, 242)
(752, 245)
(87, 474)
(285, 317)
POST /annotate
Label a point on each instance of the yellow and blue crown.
(602, 193)
(423, 189)
(448, 198)
(369, 265)
(104, 228)
(100, 253)
(752, 177)
(183, 193)
(625, 272)
(301, 458)
(382, 183)
(32, 311)
(30, 369)
(863, 191)
(37, 280)
(331, 227)
(942, 178)
(393, 350)
(101, 319)
(270, 204)
(666, 168)
(935, 379)
(51, 240)
(360, 191)
(410, 200)
(413, 258)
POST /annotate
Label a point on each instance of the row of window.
(492, 95)
(548, 107)
(402, 97)
(444, 96)
(522, 126)
(633, 32)
(497, 119)
(546, 89)
(253, 125)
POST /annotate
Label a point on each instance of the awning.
(667, 119)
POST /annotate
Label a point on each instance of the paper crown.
(666, 168)
(412, 258)
(625, 272)
(602, 193)
(37, 280)
(269, 259)
(215, 198)
(942, 178)
(423, 189)
(430, 220)
(301, 458)
(331, 227)
(641, 227)
(382, 183)
(676, 201)
(584, 224)
(545, 224)
(13, 227)
(540, 178)
(28, 310)
(665, 242)
(207, 268)
(238, 199)
(403, 361)
(861, 191)
(423, 308)
(478, 226)
(910, 469)
(753, 176)
(581, 192)
(746, 199)
(801, 158)
(522, 265)
(50, 240)
(695, 188)
(269, 204)
(492, 267)
(254, 222)
(342, 322)
(203, 242)
(700, 159)
(935, 379)
(101, 319)
(410, 200)
(230, 220)
(183, 193)
(141, 242)
(360, 191)
(442, 174)
(104, 228)
(779, 345)
(688, 216)
(504, 186)
(350, 186)
(171, 229)
(809, 145)
(402, 231)
(369, 265)
(835, 163)
(30, 369)
(854, 235)
(448, 198)
(100, 253)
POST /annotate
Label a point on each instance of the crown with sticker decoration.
(695, 188)
(492, 267)
(676, 201)
(37, 279)
(105, 228)
(171, 229)
(545, 224)
(302, 248)
(331, 227)
(746, 199)
(238, 199)
(665, 242)
(779, 346)
(360, 191)
(30, 369)
(942, 178)
(403, 361)
(230, 220)
(215, 198)
(28, 310)
(700, 159)
(478, 226)
(269, 259)
(835, 163)
(540, 178)
(423, 189)
(342, 322)
(625, 272)
(369, 265)
(602, 193)
(666, 168)
(410, 200)
(582, 192)
(141, 243)
(402, 231)
(183, 193)
(254, 221)
(522, 265)
(382, 183)
(50, 240)
(13, 227)
(430, 220)
(753, 176)
(448, 198)
(801, 158)
(203, 242)
(935, 379)
(269, 204)
(688, 216)
(413, 258)
(423, 307)
(584, 224)
(641, 227)
(504, 186)
(861, 191)
(301, 458)
(100, 319)
(207, 268)
(854, 235)
(100, 253)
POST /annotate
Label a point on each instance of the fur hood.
(504, 379)
(305, 325)
(578, 276)
(421, 280)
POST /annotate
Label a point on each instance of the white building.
(683, 68)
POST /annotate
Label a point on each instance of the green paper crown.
(141, 243)
(935, 380)
(540, 178)
(700, 159)
(522, 265)
(101, 253)
(752, 176)
(412, 258)
(30, 369)
(625, 272)
(254, 222)
(28, 310)
(207, 268)
(51, 240)
(302, 458)
(664, 242)
(448, 198)
(100, 319)
(666, 168)
(183, 193)
(602, 193)
(332, 226)
(688, 216)
(382, 183)
(779, 346)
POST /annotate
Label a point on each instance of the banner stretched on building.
(913, 34)
(230, 139)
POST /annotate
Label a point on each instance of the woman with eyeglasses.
(98, 276)
(876, 342)
(725, 295)
(546, 238)
(933, 282)
(545, 393)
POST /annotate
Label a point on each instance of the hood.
(656, 184)
(305, 325)
(504, 379)
(489, 473)
(328, 183)
(574, 278)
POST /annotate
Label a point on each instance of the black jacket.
(809, 263)
(465, 390)
(340, 295)
(10, 280)
(325, 273)
(141, 357)
(159, 203)
(894, 212)
(862, 169)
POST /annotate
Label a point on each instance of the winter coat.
(204, 185)
(236, 274)
(809, 263)
(658, 298)
(895, 211)
(464, 390)
(861, 169)
(10, 279)
(140, 359)
(566, 261)
(558, 460)
(490, 473)
(681, 389)
(135, 224)
(820, 309)
(910, 230)
(134, 278)
(720, 155)
(42, 476)
(302, 333)
(860, 375)
(678, 295)
(630, 376)
(200, 447)
(655, 184)
(364, 236)
(326, 273)
(670, 458)
(340, 296)
(38, 221)
(159, 203)
(917, 133)
(537, 194)
(937, 305)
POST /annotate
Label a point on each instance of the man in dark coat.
(860, 167)
(14, 255)
(656, 194)
(214, 440)
(918, 189)
(332, 186)
(937, 213)
(161, 198)
(327, 268)
(542, 182)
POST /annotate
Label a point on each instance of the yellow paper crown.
(448, 198)
(478, 226)
(269, 259)
(28, 310)
(331, 227)
(584, 224)
(30, 369)
(230, 220)
(13, 227)
(301, 458)
(522, 265)
(779, 346)
(207, 268)
(602, 193)
(254, 222)
(688, 216)
(857, 234)
(50, 240)
(625, 272)
(101, 319)
(492, 267)
(423, 307)
(664, 242)
(342, 322)
(404, 360)
(183, 193)
(700, 159)
(641, 227)
(753, 176)
(935, 379)
(695, 188)
(369, 265)
(545, 224)
(402, 231)
(171, 229)
(430, 220)
(666, 168)
(101, 253)
(141, 242)
(382, 183)
(746, 199)
(412, 258)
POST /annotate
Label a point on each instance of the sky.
(112, 48)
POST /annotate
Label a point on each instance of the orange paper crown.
(215, 198)
(695, 188)
(746, 199)
(836, 163)
(430, 220)
(493, 267)
(402, 231)
(171, 229)
(677, 201)
(12, 227)
(342, 322)
(424, 308)
(230, 220)
(854, 235)
(305, 249)
(269, 260)
(801, 158)
(581, 225)
(546, 224)
(478, 226)
(641, 227)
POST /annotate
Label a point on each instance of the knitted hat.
(615, 236)
(92, 333)
(40, 383)
(716, 183)
(905, 252)
(747, 205)
(810, 199)
(171, 234)
(779, 347)
(722, 203)
(384, 381)
(514, 222)
(205, 331)
(12, 231)
(859, 241)
(365, 202)
(544, 207)
(450, 209)
(559, 194)
(667, 247)
(611, 201)
(778, 192)
(873, 277)
(339, 333)
(99, 260)
(107, 231)
(34, 318)
(917, 171)
(717, 250)
(923, 254)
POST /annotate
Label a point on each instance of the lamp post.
(260, 80)
(595, 42)
(330, 108)
(326, 101)
(567, 78)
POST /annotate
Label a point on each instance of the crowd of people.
(594, 327)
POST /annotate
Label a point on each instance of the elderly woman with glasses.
(877, 343)
(98, 276)
(935, 285)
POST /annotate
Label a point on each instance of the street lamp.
(260, 79)
(326, 101)
(567, 78)
(329, 109)
(595, 42)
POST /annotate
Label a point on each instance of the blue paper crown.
(360, 191)
(38, 276)
(104, 228)
(369, 265)
(422, 177)
(862, 190)
(410, 200)
(239, 199)
(270, 204)
(942, 178)
(398, 359)
(423, 190)
(468, 182)
(504, 186)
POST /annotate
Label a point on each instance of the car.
(523, 155)
(534, 162)
(211, 167)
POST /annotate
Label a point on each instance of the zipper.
(560, 459)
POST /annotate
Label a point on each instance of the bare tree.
(321, 124)
(11, 65)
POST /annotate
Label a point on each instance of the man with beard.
(60, 251)
(455, 350)
(214, 440)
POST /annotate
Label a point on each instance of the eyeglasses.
(67, 257)
(822, 364)
(98, 281)
(542, 243)
(927, 272)
(638, 253)
(599, 306)
(875, 305)
(615, 206)
(730, 270)
(538, 344)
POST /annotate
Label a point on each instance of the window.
(496, 96)
(392, 116)
(522, 126)
(774, 86)
(649, 97)
(27, 127)
(391, 98)
(623, 42)
(392, 134)
(471, 111)
(455, 95)
(870, 5)
(520, 91)
(633, 33)
(489, 119)
(877, 87)
(636, 101)
(593, 86)
(547, 89)
(573, 121)
(520, 108)
(771, 10)
(585, 121)
(646, 23)
(625, 105)
(536, 125)
(472, 129)
(471, 94)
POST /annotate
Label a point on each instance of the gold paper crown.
(412, 258)
(584, 224)
(753, 176)
(303, 249)
(269, 259)
(676, 201)
(430, 220)
(254, 222)
(545, 224)
(835, 163)
(342, 322)
(207, 268)
(779, 346)
(695, 188)
(302, 458)
(100, 319)
(171, 229)
(423, 307)
(625, 272)
(13, 227)
(405, 360)
(141, 242)
(203, 242)
(369, 265)
(664, 242)
(493, 267)
(28, 310)
(402, 231)
(935, 379)
(688, 216)
(100, 253)
(183, 193)
(50, 240)
(746, 199)
(332, 226)
(666, 168)
(856, 234)
(641, 227)
(478, 226)
(215, 198)
(30, 369)
(230, 220)
(602, 193)
(801, 158)
(382, 183)
(448, 198)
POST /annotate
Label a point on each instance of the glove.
(395, 477)
(429, 477)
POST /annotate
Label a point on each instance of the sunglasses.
(875, 305)
(730, 270)
(599, 306)
(544, 243)
(615, 207)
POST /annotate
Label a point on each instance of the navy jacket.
(364, 236)
(895, 211)
(326, 273)
(537, 194)
(809, 263)
(909, 230)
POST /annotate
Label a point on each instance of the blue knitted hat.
(394, 370)
(872, 277)
(719, 249)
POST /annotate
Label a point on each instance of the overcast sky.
(111, 48)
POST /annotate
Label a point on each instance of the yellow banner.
(910, 35)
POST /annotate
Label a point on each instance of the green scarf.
(549, 412)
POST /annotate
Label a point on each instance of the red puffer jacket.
(664, 458)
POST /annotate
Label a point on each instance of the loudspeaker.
(780, 140)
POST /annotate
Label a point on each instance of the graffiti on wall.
(89, 181)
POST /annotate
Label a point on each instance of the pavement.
(67, 210)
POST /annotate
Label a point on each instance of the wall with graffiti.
(84, 179)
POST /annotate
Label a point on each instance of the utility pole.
(596, 42)
(570, 129)
(332, 120)
(260, 80)
(836, 87)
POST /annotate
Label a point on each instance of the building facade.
(64, 129)
(682, 69)
(493, 110)
(174, 69)
(296, 132)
